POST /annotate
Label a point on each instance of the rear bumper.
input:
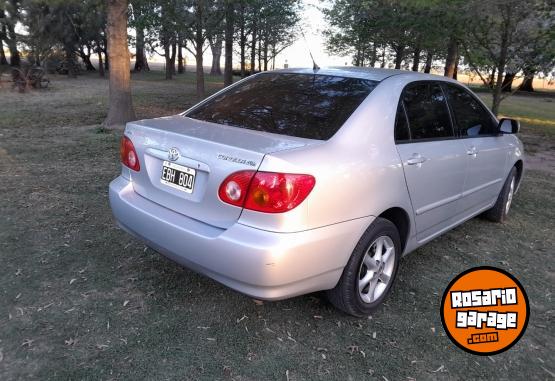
(262, 264)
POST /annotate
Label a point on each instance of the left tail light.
(128, 155)
(266, 192)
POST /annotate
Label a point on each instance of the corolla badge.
(173, 154)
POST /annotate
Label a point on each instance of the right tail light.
(267, 192)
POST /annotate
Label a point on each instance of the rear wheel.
(499, 211)
(370, 272)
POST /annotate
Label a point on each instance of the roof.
(374, 74)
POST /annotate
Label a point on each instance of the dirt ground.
(80, 299)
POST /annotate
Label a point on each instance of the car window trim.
(374, 82)
(454, 136)
(444, 85)
(427, 140)
(400, 103)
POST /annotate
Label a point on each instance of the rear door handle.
(416, 159)
(472, 151)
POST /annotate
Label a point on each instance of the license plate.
(178, 176)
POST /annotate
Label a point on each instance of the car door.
(486, 153)
(434, 160)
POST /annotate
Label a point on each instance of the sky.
(313, 24)
(297, 55)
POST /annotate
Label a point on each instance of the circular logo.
(173, 154)
(485, 310)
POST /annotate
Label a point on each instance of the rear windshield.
(303, 105)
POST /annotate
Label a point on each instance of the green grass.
(80, 299)
(537, 113)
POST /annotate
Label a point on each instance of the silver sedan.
(295, 181)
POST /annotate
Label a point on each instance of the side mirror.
(509, 126)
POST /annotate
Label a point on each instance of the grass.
(536, 113)
(80, 299)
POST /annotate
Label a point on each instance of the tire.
(346, 295)
(499, 211)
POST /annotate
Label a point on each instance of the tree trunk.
(172, 58)
(70, 61)
(456, 70)
(121, 106)
(428, 65)
(15, 59)
(216, 48)
(399, 55)
(3, 60)
(508, 82)
(373, 56)
(106, 56)
(527, 81)
(180, 65)
(167, 58)
(253, 48)
(229, 28)
(416, 59)
(452, 54)
(260, 54)
(86, 59)
(503, 54)
(491, 78)
(199, 42)
(242, 40)
(266, 55)
(141, 62)
(357, 58)
(100, 64)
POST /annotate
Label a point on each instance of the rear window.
(303, 105)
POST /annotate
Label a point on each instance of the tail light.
(266, 192)
(128, 155)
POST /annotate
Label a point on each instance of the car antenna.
(315, 66)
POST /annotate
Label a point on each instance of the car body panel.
(262, 264)
(436, 184)
(213, 151)
(360, 173)
(484, 179)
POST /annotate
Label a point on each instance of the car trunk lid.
(211, 150)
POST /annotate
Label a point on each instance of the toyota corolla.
(296, 181)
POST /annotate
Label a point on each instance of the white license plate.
(178, 176)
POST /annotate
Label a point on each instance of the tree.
(500, 35)
(277, 28)
(9, 17)
(74, 26)
(215, 40)
(350, 32)
(229, 31)
(141, 18)
(242, 36)
(204, 17)
(121, 107)
(180, 57)
(168, 24)
(362, 27)
(3, 60)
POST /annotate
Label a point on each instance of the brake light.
(235, 187)
(128, 155)
(266, 192)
